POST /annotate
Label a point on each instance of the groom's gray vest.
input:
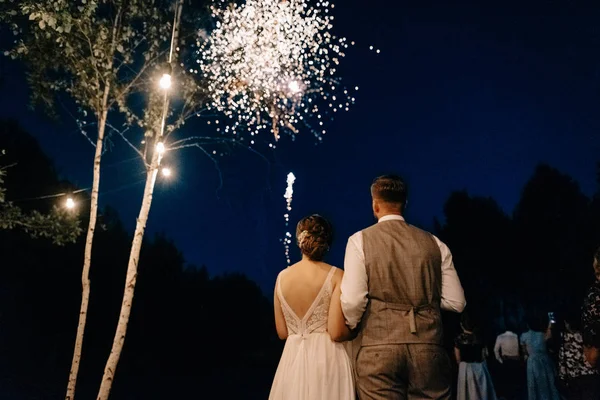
(404, 269)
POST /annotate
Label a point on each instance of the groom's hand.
(353, 332)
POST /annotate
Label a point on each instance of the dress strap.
(330, 275)
(278, 289)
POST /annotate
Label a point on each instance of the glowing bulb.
(160, 147)
(70, 203)
(165, 81)
(294, 86)
(166, 172)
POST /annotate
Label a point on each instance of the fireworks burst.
(289, 194)
(271, 65)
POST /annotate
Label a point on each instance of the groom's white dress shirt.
(355, 285)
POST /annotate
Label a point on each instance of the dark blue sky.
(461, 97)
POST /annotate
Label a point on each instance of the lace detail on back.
(315, 320)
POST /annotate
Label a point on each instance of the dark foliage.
(539, 260)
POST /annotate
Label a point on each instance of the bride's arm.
(282, 331)
(336, 325)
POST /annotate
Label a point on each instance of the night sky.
(461, 97)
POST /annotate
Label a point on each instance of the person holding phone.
(541, 382)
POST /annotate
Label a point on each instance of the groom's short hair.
(390, 189)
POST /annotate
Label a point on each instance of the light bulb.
(160, 147)
(70, 203)
(165, 81)
(166, 172)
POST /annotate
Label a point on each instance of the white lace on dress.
(315, 319)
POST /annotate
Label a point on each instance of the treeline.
(539, 259)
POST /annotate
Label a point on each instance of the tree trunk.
(87, 258)
(136, 245)
(130, 282)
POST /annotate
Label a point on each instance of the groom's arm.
(453, 295)
(354, 286)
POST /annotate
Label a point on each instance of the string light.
(267, 64)
(70, 203)
(289, 194)
(165, 81)
(166, 172)
(160, 147)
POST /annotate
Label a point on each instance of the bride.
(308, 315)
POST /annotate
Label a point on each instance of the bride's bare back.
(301, 284)
(309, 290)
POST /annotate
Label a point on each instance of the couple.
(386, 305)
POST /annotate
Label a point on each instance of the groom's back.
(403, 265)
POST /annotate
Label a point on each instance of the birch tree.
(92, 54)
(158, 121)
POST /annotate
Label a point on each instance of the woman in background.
(474, 381)
(541, 381)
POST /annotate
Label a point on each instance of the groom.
(396, 280)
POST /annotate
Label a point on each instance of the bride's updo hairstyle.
(314, 235)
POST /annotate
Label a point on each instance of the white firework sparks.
(289, 194)
(271, 65)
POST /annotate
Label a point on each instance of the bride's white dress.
(312, 366)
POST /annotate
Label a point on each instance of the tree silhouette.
(553, 237)
(479, 235)
(540, 258)
(56, 224)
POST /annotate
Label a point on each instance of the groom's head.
(389, 195)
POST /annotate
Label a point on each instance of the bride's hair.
(314, 235)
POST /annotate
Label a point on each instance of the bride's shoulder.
(289, 270)
(338, 273)
(283, 271)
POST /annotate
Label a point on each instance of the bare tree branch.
(131, 145)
